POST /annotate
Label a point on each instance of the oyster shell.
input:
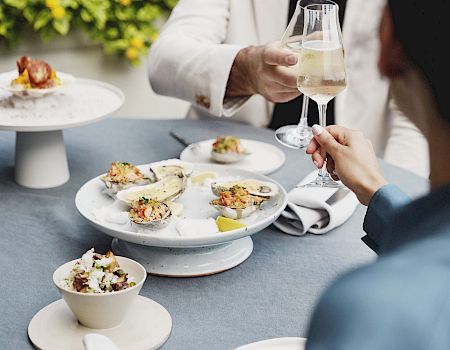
(123, 175)
(228, 149)
(228, 158)
(150, 212)
(234, 213)
(236, 202)
(254, 187)
(160, 170)
(169, 188)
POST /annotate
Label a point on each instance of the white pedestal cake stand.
(165, 252)
(40, 159)
(187, 262)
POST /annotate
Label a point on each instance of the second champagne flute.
(321, 71)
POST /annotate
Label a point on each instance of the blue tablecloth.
(270, 295)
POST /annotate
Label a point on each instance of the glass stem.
(303, 123)
(323, 123)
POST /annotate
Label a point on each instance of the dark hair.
(423, 27)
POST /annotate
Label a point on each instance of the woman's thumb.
(325, 139)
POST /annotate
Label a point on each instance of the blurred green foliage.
(125, 27)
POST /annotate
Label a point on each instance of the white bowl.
(106, 310)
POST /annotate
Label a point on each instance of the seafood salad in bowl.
(228, 149)
(100, 288)
(97, 273)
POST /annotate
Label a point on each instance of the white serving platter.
(166, 252)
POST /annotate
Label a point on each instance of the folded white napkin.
(308, 211)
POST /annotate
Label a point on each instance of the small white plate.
(19, 90)
(264, 158)
(289, 343)
(147, 327)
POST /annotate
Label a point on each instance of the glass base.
(323, 181)
(291, 136)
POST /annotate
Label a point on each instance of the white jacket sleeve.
(189, 60)
(406, 145)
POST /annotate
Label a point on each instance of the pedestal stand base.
(41, 160)
(186, 262)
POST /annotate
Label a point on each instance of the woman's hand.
(350, 158)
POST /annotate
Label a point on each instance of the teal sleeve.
(378, 221)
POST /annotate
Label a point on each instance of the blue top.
(402, 301)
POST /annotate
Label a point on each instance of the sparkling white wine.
(321, 71)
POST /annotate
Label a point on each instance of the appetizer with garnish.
(236, 202)
(123, 175)
(150, 212)
(35, 74)
(228, 149)
(97, 273)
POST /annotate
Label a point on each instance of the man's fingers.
(276, 56)
(284, 76)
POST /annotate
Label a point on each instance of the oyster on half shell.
(169, 188)
(149, 212)
(237, 202)
(122, 175)
(228, 149)
(165, 168)
(254, 187)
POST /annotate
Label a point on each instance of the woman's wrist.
(369, 188)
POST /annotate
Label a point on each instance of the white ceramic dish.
(105, 310)
(264, 158)
(19, 90)
(288, 343)
(146, 327)
(195, 200)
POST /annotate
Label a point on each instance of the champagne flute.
(297, 136)
(321, 72)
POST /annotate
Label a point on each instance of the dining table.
(271, 294)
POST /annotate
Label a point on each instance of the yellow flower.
(51, 3)
(132, 53)
(138, 43)
(58, 12)
(125, 2)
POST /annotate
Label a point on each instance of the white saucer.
(147, 327)
(289, 343)
(264, 158)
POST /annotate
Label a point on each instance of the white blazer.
(193, 55)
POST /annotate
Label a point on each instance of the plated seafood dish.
(228, 149)
(97, 273)
(35, 74)
(172, 198)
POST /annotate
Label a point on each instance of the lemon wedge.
(199, 179)
(226, 224)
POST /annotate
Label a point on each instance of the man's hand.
(350, 158)
(266, 70)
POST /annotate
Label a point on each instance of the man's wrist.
(241, 79)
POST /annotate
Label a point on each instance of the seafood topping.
(97, 273)
(238, 197)
(35, 74)
(228, 144)
(149, 211)
(123, 172)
